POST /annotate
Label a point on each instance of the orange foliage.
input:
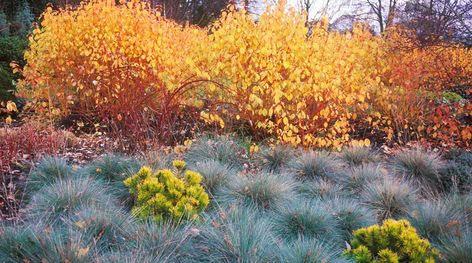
(325, 90)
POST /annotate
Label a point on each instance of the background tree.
(435, 20)
(4, 26)
(24, 19)
(382, 13)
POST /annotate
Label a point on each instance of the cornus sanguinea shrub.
(322, 89)
(123, 63)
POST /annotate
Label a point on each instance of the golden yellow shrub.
(304, 90)
(324, 89)
(112, 60)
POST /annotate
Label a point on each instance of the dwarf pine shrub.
(393, 241)
(166, 193)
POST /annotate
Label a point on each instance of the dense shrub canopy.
(325, 89)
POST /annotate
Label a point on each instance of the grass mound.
(279, 205)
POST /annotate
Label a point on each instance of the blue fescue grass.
(235, 235)
(156, 242)
(48, 170)
(264, 191)
(107, 226)
(350, 215)
(223, 149)
(457, 248)
(275, 159)
(111, 170)
(435, 219)
(216, 175)
(40, 243)
(286, 205)
(315, 166)
(303, 250)
(354, 180)
(66, 197)
(457, 173)
(388, 198)
(308, 219)
(354, 156)
(421, 168)
(320, 189)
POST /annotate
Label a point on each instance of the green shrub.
(24, 18)
(4, 26)
(451, 97)
(11, 49)
(315, 165)
(388, 198)
(421, 168)
(167, 194)
(393, 241)
(7, 89)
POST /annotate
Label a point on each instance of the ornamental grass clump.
(311, 250)
(235, 235)
(265, 192)
(315, 166)
(421, 168)
(310, 219)
(276, 158)
(393, 241)
(388, 198)
(48, 171)
(357, 155)
(162, 194)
